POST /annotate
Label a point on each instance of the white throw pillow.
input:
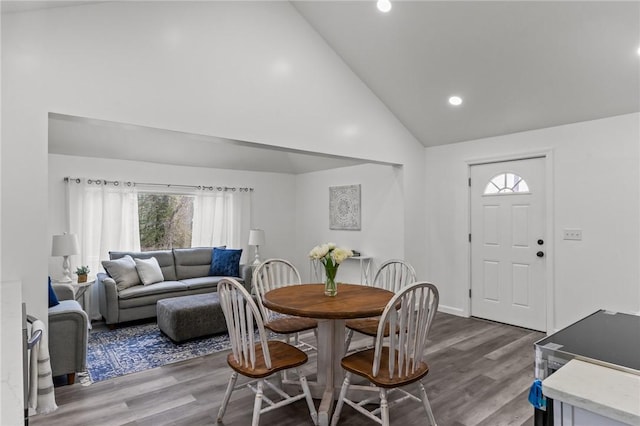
(123, 271)
(149, 270)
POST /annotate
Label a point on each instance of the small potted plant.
(82, 272)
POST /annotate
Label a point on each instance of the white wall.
(382, 216)
(269, 189)
(595, 173)
(253, 71)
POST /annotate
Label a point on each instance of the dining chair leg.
(340, 403)
(348, 341)
(287, 337)
(384, 407)
(427, 405)
(279, 378)
(227, 395)
(257, 403)
(307, 394)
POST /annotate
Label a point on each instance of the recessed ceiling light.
(384, 5)
(455, 100)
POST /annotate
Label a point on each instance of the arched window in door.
(506, 183)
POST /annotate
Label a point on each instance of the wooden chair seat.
(392, 275)
(397, 358)
(366, 326)
(270, 275)
(361, 363)
(255, 357)
(283, 356)
(290, 324)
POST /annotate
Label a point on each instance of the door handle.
(540, 254)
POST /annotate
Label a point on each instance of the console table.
(316, 270)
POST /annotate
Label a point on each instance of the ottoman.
(187, 317)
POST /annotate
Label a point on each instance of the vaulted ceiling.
(518, 65)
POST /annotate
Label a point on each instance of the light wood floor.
(480, 375)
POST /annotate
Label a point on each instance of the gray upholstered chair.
(68, 334)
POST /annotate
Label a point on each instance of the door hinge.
(469, 182)
(469, 293)
(469, 237)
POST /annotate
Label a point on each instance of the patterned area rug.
(113, 353)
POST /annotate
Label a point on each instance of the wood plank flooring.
(480, 373)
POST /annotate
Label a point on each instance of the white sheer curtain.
(105, 218)
(221, 218)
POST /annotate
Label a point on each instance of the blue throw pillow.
(225, 262)
(53, 299)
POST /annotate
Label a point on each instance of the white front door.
(508, 245)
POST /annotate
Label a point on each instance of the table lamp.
(65, 245)
(256, 238)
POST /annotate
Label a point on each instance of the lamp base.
(256, 260)
(66, 271)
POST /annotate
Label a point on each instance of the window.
(165, 220)
(506, 183)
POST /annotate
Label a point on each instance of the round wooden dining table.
(309, 300)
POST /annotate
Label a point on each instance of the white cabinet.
(568, 415)
(587, 394)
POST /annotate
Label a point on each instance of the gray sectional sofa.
(185, 272)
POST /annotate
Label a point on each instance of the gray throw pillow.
(123, 271)
(149, 270)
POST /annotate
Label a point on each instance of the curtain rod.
(165, 185)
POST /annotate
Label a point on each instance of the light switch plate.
(572, 234)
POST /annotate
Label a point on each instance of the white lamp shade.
(64, 245)
(256, 237)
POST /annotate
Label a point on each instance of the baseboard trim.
(453, 311)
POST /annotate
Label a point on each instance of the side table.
(80, 289)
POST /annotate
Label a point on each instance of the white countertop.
(611, 393)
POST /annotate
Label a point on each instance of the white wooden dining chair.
(397, 359)
(256, 357)
(276, 273)
(392, 275)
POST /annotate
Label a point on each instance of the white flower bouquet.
(331, 257)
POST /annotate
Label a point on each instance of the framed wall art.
(344, 207)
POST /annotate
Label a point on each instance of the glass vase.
(330, 286)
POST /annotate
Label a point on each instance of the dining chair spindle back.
(392, 275)
(256, 357)
(270, 275)
(397, 359)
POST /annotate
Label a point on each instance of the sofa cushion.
(225, 262)
(123, 271)
(202, 282)
(164, 258)
(158, 288)
(149, 270)
(192, 262)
